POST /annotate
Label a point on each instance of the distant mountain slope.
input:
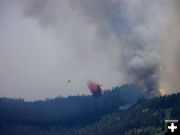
(73, 111)
(146, 117)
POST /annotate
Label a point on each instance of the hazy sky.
(44, 43)
(36, 61)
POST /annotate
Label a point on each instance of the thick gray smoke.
(139, 26)
(109, 41)
(170, 52)
(129, 27)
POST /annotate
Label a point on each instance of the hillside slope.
(72, 111)
(143, 118)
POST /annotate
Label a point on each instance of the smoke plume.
(170, 52)
(112, 41)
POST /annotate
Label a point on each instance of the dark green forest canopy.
(75, 111)
(144, 117)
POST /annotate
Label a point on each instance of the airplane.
(69, 81)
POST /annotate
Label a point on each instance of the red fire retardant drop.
(94, 88)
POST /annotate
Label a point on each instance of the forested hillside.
(144, 118)
(75, 111)
(122, 111)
